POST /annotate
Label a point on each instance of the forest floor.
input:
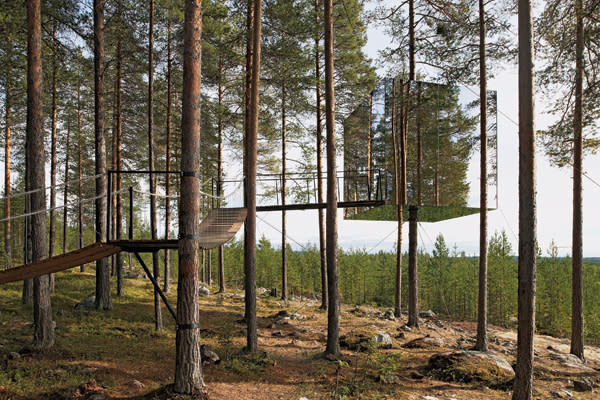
(119, 355)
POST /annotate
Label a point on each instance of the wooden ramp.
(61, 262)
(220, 225)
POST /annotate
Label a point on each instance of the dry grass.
(117, 348)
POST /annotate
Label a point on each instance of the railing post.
(108, 204)
(130, 212)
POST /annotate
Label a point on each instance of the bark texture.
(527, 207)
(103, 300)
(188, 366)
(333, 312)
(577, 261)
(481, 343)
(43, 332)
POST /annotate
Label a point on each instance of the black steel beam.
(316, 206)
(156, 286)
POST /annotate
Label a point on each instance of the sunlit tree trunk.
(482, 312)
(253, 83)
(220, 170)
(167, 278)
(52, 233)
(7, 149)
(188, 366)
(333, 312)
(103, 300)
(322, 244)
(43, 331)
(284, 289)
(577, 262)
(119, 155)
(66, 186)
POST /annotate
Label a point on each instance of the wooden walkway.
(219, 226)
(61, 262)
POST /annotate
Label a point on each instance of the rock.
(400, 335)
(261, 290)
(137, 384)
(297, 317)
(87, 303)
(303, 398)
(389, 314)
(208, 356)
(389, 379)
(383, 339)
(203, 291)
(427, 314)
(567, 358)
(561, 394)
(282, 314)
(13, 355)
(276, 334)
(97, 396)
(424, 343)
(430, 398)
(406, 328)
(295, 335)
(416, 375)
(583, 385)
(468, 366)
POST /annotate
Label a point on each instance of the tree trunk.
(370, 144)
(103, 300)
(322, 245)
(482, 313)
(284, 290)
(209, 266)
(398, 200)
(577, 262)
(66, 186)
(52, 233)
(333, 312)
(7, 149)
(255, 23)
(188, 366)
(413, 277)
(527, 207)
(27, 257)
(43, 332)
(167, 274)
(413, 306)
(158, 324)
(119, 149)
(220, 170)
(80, 172)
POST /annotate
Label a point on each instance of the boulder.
(208, 356)
(427, 314)
(389, 315)
(383, 339)
(87, 303)
(424, 343)
(297, 317)
(468, 366)
(561, 394)
(583, 385)
(203, 291)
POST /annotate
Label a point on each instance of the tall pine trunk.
(322, 244)
(220, 170)
(188, 365)
(119, 148)
(333, 312)
(66, 185)
(52, 233)
(79, 171)
(7, 149)
(158, 324)
(103, 300)
(482, 312)
(43, 332)
(577, 262)
(527, 207)
(167, 273)
(284, 289)
(251, 137)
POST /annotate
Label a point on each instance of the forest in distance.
(447, 281)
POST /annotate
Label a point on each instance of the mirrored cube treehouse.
(418, 143)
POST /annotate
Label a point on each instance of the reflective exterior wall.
(417, 143)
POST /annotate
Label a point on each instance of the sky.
(554, 195)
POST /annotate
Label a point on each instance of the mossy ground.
(119, 347)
